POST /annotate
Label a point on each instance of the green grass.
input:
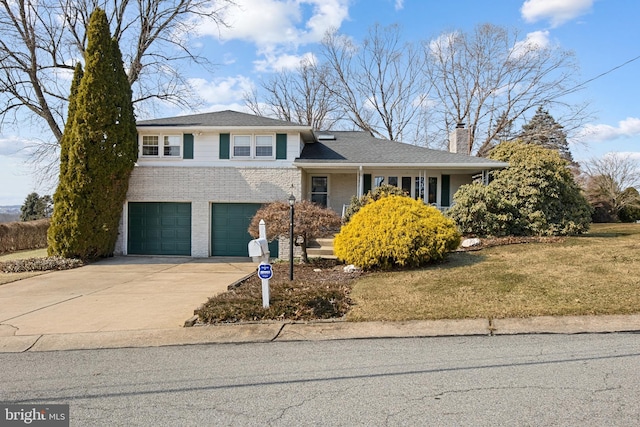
(597, 273)
(34, 253)
(12, 277)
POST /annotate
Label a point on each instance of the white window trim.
(253, 145)
(179, 138)
(311, 192)
(142, 146)
(161, 146)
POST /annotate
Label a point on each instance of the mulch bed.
(320, 290)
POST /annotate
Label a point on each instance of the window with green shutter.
(224, 145)
(445, 199)
(187, 146)
(281, 146)
(367, 183)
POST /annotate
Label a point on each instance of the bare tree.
(43, 40)
(608, 181)
(299, 96)
(490, 78)
(379, 84)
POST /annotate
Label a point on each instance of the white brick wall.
(205, 185)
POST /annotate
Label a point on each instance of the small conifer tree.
(35, 207)
(543, 130)
(97, 154)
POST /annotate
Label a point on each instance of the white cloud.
(624, 155)
(556, 11)
(274, 22)
(228, 59)
(534, 41)
(222, 90)
(234, 106)
(279, 62)
(14, 146)
(443, 44)
(399, 4)
(630, 127)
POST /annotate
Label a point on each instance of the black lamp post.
(292, 201)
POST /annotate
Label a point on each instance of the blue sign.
(265, 271)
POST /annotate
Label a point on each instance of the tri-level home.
(199, 179)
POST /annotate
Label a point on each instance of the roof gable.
(220, 119)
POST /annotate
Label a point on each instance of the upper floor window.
(253, 147)
(150, 145)
(264, 146)
(241, 146)
(171, 146)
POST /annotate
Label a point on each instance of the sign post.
(259, 251)
(265, 273)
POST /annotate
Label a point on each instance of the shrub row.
(19, 236)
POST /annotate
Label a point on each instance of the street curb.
(567, 324)
(265, 332)
(322, 331)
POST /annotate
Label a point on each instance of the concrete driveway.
(116, 294)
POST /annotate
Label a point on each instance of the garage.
(229, 224)
(157, 228)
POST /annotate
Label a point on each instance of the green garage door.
(159, 229)
(229, 224)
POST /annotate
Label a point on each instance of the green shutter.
(367, 183)
(446, 189)
(225, 139)
(281, 146)
(187, 146)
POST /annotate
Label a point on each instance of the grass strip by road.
(597, 273)
(12, 277)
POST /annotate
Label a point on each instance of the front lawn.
(598, 273)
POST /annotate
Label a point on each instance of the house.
(199, 179)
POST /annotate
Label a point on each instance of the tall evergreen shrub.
(97, 154)
(535, 196)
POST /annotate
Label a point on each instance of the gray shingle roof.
(225, 118)
(356, 147)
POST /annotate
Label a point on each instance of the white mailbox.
(258, 248)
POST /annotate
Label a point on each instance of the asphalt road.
(585, 380)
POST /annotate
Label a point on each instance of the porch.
(336, 188)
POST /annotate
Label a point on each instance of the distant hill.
(10, 213)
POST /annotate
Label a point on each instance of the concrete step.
(319, 252)
(321, 243)
(321, 248)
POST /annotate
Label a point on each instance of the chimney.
(459, 139)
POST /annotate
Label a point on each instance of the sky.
(267, 35)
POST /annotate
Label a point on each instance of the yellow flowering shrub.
(396, 231)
